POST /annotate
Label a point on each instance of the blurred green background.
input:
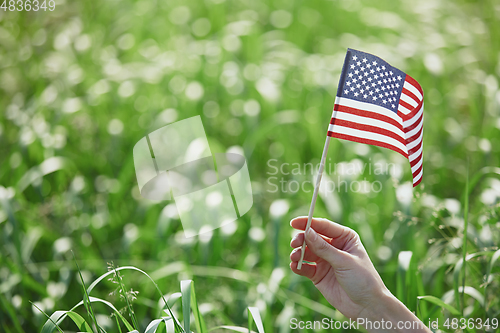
(80, 85)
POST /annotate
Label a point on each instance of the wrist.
(388, 314)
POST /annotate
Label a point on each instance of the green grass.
(79, 86)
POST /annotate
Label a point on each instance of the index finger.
(323, 226)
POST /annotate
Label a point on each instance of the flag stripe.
(341, 133)
(374, 115)
(363, 125)
(383, 125)
(410, 94)
(367, 107)
(408, 100)
(411, 87)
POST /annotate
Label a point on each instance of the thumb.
(325, 250)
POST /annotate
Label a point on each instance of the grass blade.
(464, 243)
(254, 313)
(441, 303)
(52, 321)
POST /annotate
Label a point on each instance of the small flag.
(380, 105)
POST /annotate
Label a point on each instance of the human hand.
(341, 269)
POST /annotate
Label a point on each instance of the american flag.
(380, 105)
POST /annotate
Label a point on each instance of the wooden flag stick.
(315, 196)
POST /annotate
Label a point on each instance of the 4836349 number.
(471, 323)
(28, 5)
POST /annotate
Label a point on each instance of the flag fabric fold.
(380, 105)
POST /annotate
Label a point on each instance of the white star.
(356, 72)
(346, 91)
(391, 72)
(381, 96)
(361, 90)
(358, 86)
(385, 81)
(371, 93)
(383, 87)
(363, 82)
(386, 93)
(354, 80)
(372, 71)
(352, 66)
(354, 58)
(383, 67)
(374, 84)
(366, 73)
(380, 83)
(397, 85)
(351, 75)
(364, 60)
(365, 96)
(367, 87)
(370, 79)
(393, 106)
(360, 77)
(368, 65)
(348, 83)
(391, 93)
(374, 63)
(399, 77)
(377, 90)
(375, 76)
(362, 68)
(384, 101)
(394, 79)
(352, 88)
(374, 98)
(356, 94)
(378, 69)
(358, 63)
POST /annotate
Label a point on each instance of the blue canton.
(367, 78)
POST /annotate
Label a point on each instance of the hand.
(342, 271)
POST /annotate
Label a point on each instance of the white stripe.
(368, 107)
(403, 110)
(416, 166)
(408, 100)
(414, 131)
(416, 154)
(414, 90)
(413, 119)
(415, 142)
(369, 121)
(367, 135)
(417, 178)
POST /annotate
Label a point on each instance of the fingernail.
(311, 234)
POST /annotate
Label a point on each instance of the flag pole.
(315, 196)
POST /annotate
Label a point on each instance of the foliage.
(80, 85)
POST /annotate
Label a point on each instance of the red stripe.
(418, 182)
(415, 149)
(406, 105)
(415, 161)
(413, 112)
(414, 83)
(367, 128)
(417, 171)
(415, 124)
(368, 114)
(367, 141)
(411, 95)
(414, 137)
